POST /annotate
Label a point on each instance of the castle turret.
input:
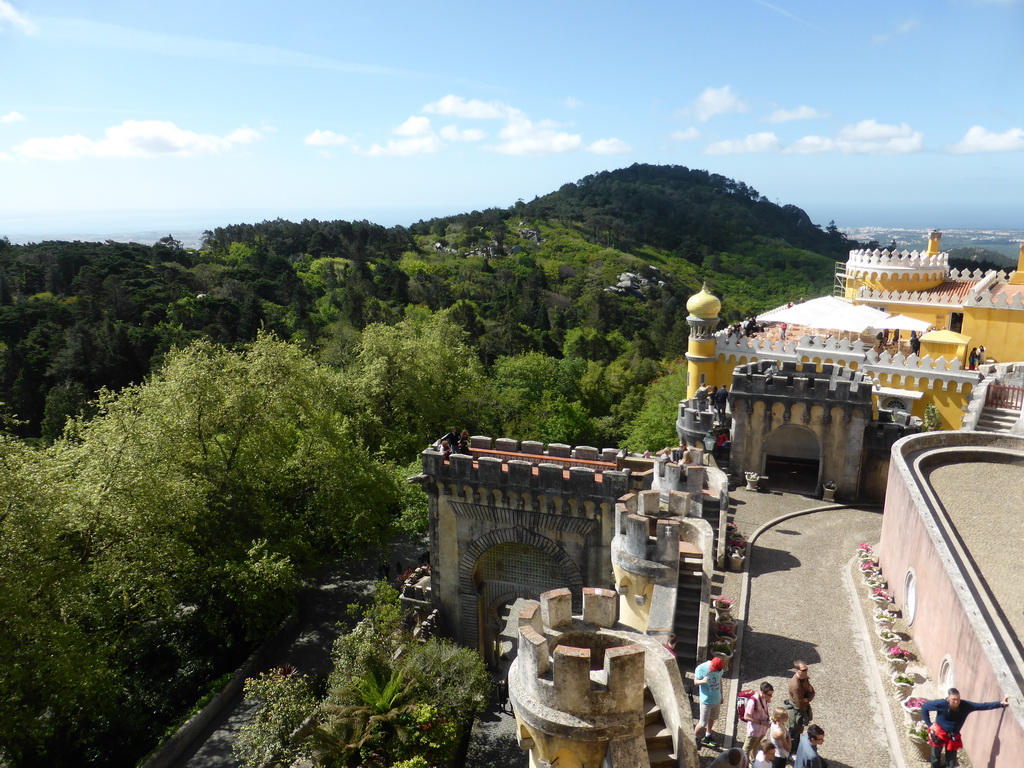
(584, 688)
(933, 242)
(701, 352)
(1017, 277)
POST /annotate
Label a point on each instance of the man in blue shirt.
(950, 714)
(807, 753)
(708, 678)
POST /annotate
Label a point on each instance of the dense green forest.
(188, 434)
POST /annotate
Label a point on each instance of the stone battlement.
(535, 451)
(635, 542)
(525, 476)
(795, 382)
(569, 663)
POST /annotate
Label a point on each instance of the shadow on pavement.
(769, 559)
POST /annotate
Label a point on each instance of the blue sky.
(197, 114)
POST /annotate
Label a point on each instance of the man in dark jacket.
(950, 714)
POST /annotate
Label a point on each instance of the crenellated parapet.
(558, 652)
(522, 476)
(910, 371)
(646, 570)
(577, 684)
(862, 263)
(990, 299)
(788, 381)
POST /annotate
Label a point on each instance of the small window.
(895, 404)
(947, 675)
(910, 596)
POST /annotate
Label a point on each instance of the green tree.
(653, 427)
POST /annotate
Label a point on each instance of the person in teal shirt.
(708, 678)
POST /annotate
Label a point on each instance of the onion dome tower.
(701, 354)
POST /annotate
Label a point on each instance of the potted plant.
(919, 738)
(897, 658)
(736, 559)
(868, 565)
(727, 628)
(912, 706)
(903, 684)
(881, 596)
(884, 618)
(753, 478)
(723, 605)
(828, 491)
(732, 530)
(865, 551)
(875, 582)
(888, 637)
(723, 649)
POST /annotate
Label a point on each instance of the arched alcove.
(793, 458)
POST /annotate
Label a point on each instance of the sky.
(188, 114)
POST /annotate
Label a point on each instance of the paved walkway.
(801, 604)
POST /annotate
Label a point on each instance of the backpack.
(741, 702)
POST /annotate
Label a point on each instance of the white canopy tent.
(828, 313)
(903, 323)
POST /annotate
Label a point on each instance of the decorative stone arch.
(794, 441)
(469, 596)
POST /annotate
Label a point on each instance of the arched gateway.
(513, 523)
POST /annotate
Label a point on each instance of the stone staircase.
(687, 617)
(997, 419)
(657, 735)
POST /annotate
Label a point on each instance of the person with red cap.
(708, 679)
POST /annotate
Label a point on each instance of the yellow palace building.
(964, 311)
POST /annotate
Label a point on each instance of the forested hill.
(186, 435)
(536, 277)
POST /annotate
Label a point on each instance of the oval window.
(910, 597)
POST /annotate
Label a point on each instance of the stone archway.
(504, 565)
(792, 458)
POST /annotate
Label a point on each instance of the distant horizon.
(115, 225)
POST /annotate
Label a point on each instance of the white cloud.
(524, 137)
(244, 136)
(5, 158)
(415, 126)
(903, 28)
(453, 133)
(12, 117)
(471, 109)
(802, 112)
(686, 135)
(979, 139)
(320, 138)
(755, 142)
(10, 16)
(416, 145)
(812, 145)
(572, 102)
(868, 137)
(717, 101)
(609, 147)
(134, 138)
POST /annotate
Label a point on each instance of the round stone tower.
(892, 270)
(584, 687)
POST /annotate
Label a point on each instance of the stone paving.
(803, 604)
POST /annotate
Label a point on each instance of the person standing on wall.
(950, 713)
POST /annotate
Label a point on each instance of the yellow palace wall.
(1001, 331)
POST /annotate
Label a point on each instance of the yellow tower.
(701, 352)
(933, 242)
(1017, 277)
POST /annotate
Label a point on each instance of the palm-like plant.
(383, 698)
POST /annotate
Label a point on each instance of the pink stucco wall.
(941, 625)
